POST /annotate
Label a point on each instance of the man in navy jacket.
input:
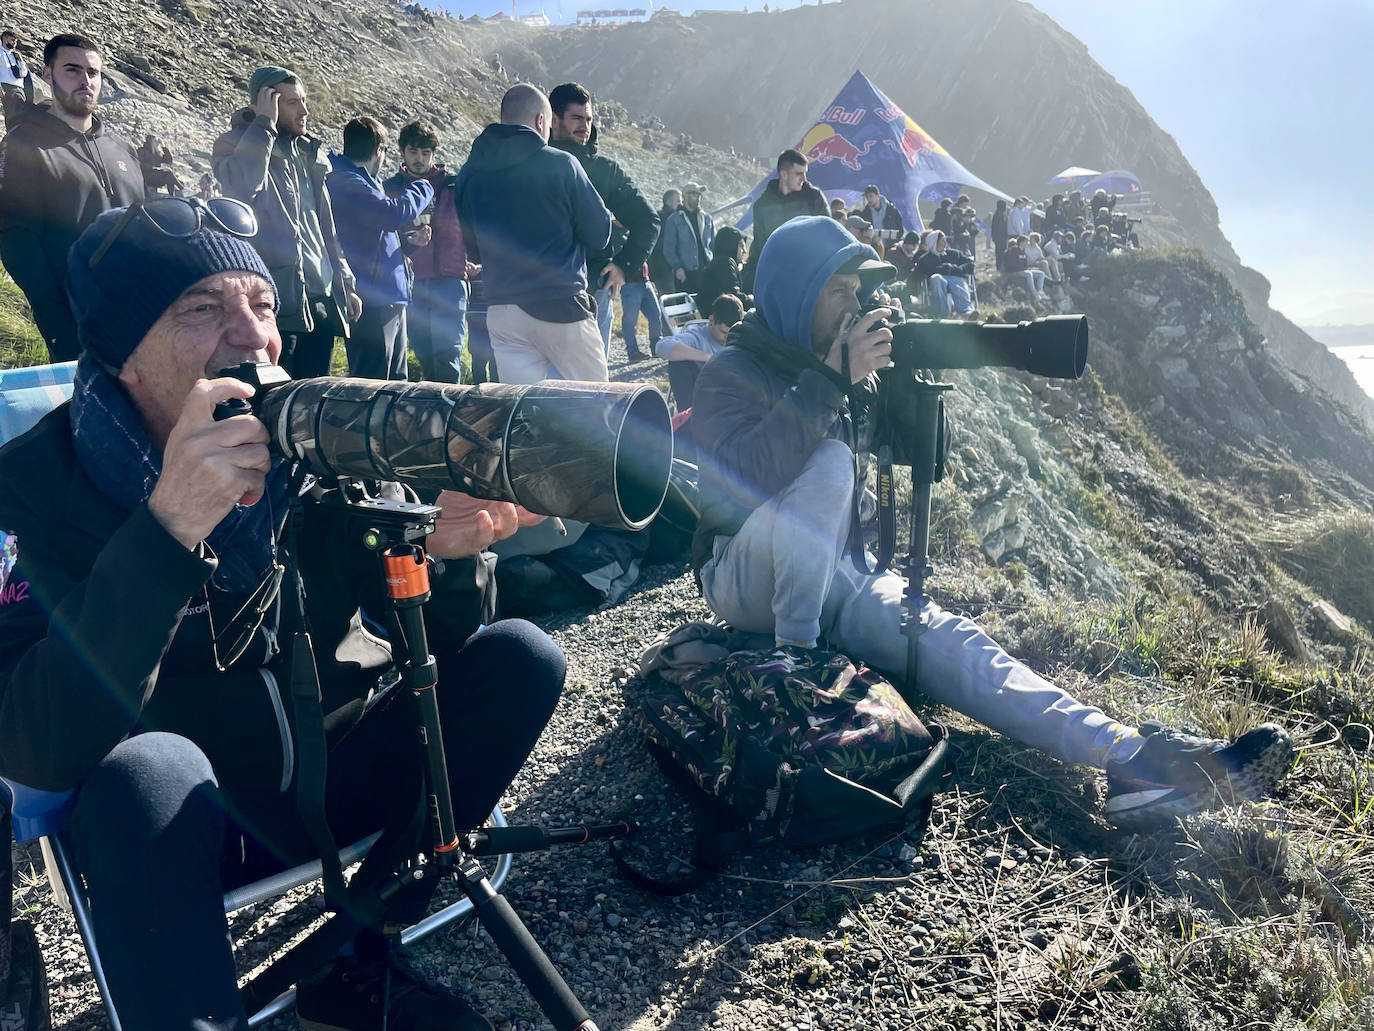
(369, 224)
(531, 216)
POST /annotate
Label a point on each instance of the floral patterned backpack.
(793, 745)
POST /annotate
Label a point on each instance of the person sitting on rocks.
(773, 419)
(1052, 251)
(1016, 267)
(687, 351)
(838, 211)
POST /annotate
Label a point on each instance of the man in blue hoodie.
(530, 216)
(772, 417)
(369, 224)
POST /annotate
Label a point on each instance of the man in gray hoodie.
(531, 216)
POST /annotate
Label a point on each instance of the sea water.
(1360, 358)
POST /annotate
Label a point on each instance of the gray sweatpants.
(787, 572)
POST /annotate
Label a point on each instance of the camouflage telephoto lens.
(597, 452)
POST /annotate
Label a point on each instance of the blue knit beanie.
(140, 276)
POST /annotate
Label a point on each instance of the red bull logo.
(824, 145)
(914, 144)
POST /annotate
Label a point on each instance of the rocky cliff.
(1008, 91)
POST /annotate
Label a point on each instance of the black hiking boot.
(352, 994)
(1175, 774)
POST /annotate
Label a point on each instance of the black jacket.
(659, 269)
(104, 631)
(759, 410)
(626, 203)
(771, 210)
(951, 263)
(54, 182)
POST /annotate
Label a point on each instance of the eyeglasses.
(242, 628)
(183, 216)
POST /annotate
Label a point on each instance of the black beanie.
(140, 276)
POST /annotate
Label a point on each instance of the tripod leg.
(516, 943)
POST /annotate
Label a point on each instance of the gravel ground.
(1017, 908)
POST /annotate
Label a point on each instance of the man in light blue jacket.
(688, 239)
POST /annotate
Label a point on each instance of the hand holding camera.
(868, 341)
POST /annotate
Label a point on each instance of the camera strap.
(311, 748)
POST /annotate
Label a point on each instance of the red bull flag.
(862, 137)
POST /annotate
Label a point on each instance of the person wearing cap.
(689, 239)
(773, 417)
(882, 215)
(784, 197)
(60, 167)
(141, 636)
(269, 160)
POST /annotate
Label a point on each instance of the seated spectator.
(1035, 257)
(837, 209)
(904, 255)
(1101, 240)
(1102, 206)
(948, 271)
(1052, 255)
(156, 161)
(722, 274)
(688, 351)
(1017, 268)
(207, 188)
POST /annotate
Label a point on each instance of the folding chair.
(679, 309)
(26, 395)
(43, 815)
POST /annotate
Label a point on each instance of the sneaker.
(1174, 773)
(637, 356)
(350, 994)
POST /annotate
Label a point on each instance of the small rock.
(1336, 623)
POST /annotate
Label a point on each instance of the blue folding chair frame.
(43, 815)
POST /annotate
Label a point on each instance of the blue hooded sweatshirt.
(366, 221)
(795, 264)
(764, 403)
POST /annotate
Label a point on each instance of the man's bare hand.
(870, 348)
(469, 525)
(266, 104)
(354, 304)
(421, 237)
(208, 467)
(681, 275)
(473, 269)
(615, 278)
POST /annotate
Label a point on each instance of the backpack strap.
(917, 792)
(715, 840)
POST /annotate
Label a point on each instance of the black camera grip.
(231, 407)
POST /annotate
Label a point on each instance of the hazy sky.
(1270, 101)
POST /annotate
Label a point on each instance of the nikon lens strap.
(306, 706)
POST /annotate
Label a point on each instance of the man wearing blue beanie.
(770, 419)
(143, 658)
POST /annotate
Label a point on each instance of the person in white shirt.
(14, 73)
